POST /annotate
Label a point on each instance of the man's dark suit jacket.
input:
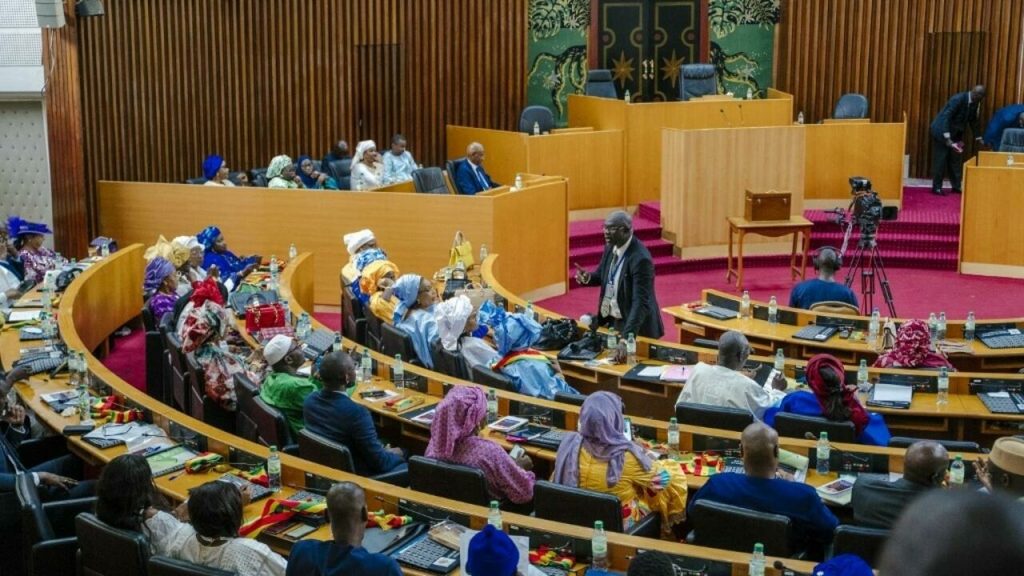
(467, 182)
(954, 118)
(641, 314)
(877, 502)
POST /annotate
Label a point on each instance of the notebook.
(170, 460)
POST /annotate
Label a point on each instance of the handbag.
(264, 316)
(477, 294)
(556, 334)
(455, 280)
(462, 251)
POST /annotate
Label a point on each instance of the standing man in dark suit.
(626, 276)
(947, 131)
(470, 177)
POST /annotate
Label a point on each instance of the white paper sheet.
(651, 372)
(23, 315)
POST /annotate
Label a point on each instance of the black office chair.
(108, 551)
(353, 316)
(157, 376)
(448, 480)
(258, 177)
(394, 340)
(717, 525)
(373, 332)
(180, 385)
(708, 416)
(272, 427)
(316, 448)
(864, 542)
(568, 398)
(164, 566)
(341, 171)
(201, 406)
(582, 507)
(696, 80)
(798, 425)
(245, 391)
(448, 362)
(962, 446)
(486, 377)
(600, 84)
(49, 543)
(196, 181)
(851, 106)
(706, 343)
(539, 115)
(430, 181)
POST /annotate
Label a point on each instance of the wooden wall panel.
(907, 56)
(165, 83)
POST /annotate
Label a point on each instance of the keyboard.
(428, 555)
(38, 364)
(256, 490)
(30, 333)
(551, 439)
(318, 343)
(551, 570)
(1014, 404)
(1011, 338)
(717, 312)
(816, 333)
(305, 496)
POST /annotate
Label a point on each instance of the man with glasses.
(626, 277)
(284, 388)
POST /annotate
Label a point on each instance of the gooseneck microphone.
(786, 570)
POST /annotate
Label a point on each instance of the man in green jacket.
(283, 387)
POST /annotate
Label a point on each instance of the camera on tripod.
(865, 211)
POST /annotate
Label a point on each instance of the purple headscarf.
(157, 269)
(457, 417)
(212, 165)
(602, 434)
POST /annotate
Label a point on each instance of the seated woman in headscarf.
(203, 335)
(192, 269)
(281, 173)
(367, 168)
(28, 240)
(600, 458)
(215, 253)
(160, 287)
(374, 282)
(312, 179)
(913, 349)
(216, 171)
(178, 254)
(414, 313)
(454, 437)
(831, 398)
(457, 328)
(362, 249)
(532, 372)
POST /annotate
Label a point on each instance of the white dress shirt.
(610, 303)
(720, 386)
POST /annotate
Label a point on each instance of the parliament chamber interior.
(440, 287)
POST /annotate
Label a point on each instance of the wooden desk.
(796, 225)
(992, 208)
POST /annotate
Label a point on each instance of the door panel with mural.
(622, 39)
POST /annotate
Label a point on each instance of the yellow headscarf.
(372, 274)
(174, 253)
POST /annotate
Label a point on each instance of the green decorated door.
(644, 42)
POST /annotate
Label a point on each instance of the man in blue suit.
(470, 177)
(1011, 116)
(947, 132)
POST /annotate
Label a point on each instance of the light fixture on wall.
(50, 13)
(86, 8)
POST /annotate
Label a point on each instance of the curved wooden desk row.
(766, 337)
(105, 297)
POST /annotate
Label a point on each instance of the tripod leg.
(854, 265)
(867, 285)
(884, 281)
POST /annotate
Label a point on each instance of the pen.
(175, 476)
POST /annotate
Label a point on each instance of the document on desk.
(892, 393)
(23, 315)
(652, 372)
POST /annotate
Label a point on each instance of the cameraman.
(824, 288)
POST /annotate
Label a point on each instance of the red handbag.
(264, 316)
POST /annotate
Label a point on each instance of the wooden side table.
(796, 225)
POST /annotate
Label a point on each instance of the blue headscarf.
(511, 331)
(212, 165)
(208, 237)
(307, 181)
(406, 290)
(844, 565)
(16, 227)
(364, 258)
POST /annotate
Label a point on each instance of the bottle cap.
(494, 504)
(824, 435)
(598, 525)
(672, 420)
(758, 547)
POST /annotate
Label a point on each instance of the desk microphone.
(726, 117)
(832, 448)
(787, 571)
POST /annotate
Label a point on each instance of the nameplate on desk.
(920, 383)
(979, 385)
(788, 317)
(671, 355)
(240, 459)
(415, 382)
(800, 375)
(318, 484)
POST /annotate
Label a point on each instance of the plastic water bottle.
(47, 299)
(780, 360)
(274, 267)
(631, 349)
(599, 546)
(303, 327)
(84, 403)
(529, 310)
(823, 454)
(943, 387)
(274, 469)
(625, 97)
(969, 327)
(956, 471)
(492, 405)
(104, 249)
(800, 117)
(757, 561)
(337, 343)
(536, 128)
(941, 328)
(483, 253)
(519, 181)
(293, 252)
(933, 327)
(494, 515)
(399, 373)
(287, 313)
(750, 94)
(773, 310)
(74, 375)
(673, 436)
(874, 327)
(745, 308)
(862, 376)
(1009, 160)
(613, 340)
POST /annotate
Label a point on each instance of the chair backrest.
(540, 115)
(430, 181)
(1012, 140)
(258, 177)
(373, 331)
(448, 362)
(197, 387)
(486, 377)
(196, 181)
(107, 551)
(341, 171)
(164, 566)
(448, 480)
(576, 506)
(179, 373)
(318, 449)
(851, 106)
(950, 445)
(157, 375)
(394, 340)
(834, 307)
(710, 416)
(245, 425)
(864, 542)
(600, 84)
(797, 425)
(569, 398)
(35, 525)
(271, 424)
(453, 167)
(353, 322)
(696, 80)
(719, 525)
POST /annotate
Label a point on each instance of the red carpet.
(127, 358)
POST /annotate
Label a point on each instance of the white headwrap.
(361, 149)
(189, 242)
(356, 240)
(451, 316)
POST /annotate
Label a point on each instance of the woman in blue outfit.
(831, 398)
(532, 372)
(215, 253)
(311, 178)
(414, 313)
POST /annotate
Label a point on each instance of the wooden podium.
(992, 209)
